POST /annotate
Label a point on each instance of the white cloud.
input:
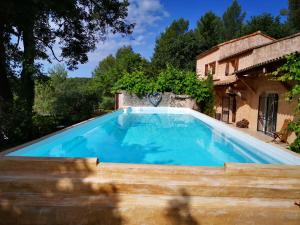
(145, 14)
(112, 44)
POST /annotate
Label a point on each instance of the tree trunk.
(6, 95)
(28, 70)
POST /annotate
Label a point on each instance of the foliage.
(290, 73)
(44, 124)
(209, 31)
(295, 126)
(107, 103)
(170, 80)
(128, 61)
(233, 21)
(293, 13)
(74, 106)
(112, 68)
(208, 99)
(136, 82)
(69, 100)
(176, 46)
(268, 24)
(74, 26)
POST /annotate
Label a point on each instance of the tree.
(112, 68)
(9, 54)
(5, 87)
(76, 24)
(233, 21)
(48, 88)
(294, 14)
(209, 31)
(290, 73)
(104, 76)
(127, 60)
(268, 24)
(68, 100)
(176, 46)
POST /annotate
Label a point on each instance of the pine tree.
(176, 46)
(294, 14)
(209, 31)
(233, 21)
(268, 24)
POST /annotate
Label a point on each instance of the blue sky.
(153, 16)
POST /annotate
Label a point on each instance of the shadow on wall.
(63, 196)
(178, 211)
(67, 193)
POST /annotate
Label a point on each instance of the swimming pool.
(168, 136)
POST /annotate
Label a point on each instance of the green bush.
(289, 73)
(43, 125)
(170, 80)
(69, 100)
(136, 82)
(107, 103)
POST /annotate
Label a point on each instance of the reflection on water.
(146, 138)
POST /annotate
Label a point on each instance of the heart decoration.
(154, 98)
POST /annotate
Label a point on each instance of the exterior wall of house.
(242, 61)
(246, 60)
(271, 51)
(229, 48)
(249, 51)
(243, 44)
(276, 49)
(247, 105)
(200, 64)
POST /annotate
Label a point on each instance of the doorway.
(267, 113)
(229, 109)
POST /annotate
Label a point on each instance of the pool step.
(90, 166)
(114, 208)
(80, 166)
(168, 184)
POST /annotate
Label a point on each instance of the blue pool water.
(120, 137)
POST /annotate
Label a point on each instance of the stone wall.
(168, 100)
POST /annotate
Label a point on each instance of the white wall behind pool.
(168, 99)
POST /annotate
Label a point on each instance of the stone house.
(243, 89)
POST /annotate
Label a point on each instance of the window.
(267, 113)
(212, 67)
(206, 70)
(227, 69)
(225, 109)
(235, 64)
(229, 108)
